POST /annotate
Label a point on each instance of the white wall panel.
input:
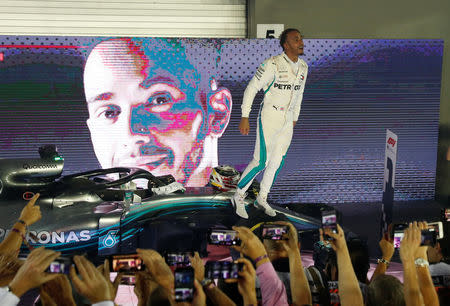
(173, 18)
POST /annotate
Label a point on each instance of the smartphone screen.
(329, 220)
(128, 279)
(126, 263)
(60, 265)
(398, 236)
(438, 228)
(223, 237)
(178, 259)
(398, 230)
(274, 231)
(428, 237)
(184, 284)
(223, 269)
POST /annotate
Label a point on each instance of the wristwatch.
(382, 260)
(420, 262)
(207, 283)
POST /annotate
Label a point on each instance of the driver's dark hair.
(284, 34)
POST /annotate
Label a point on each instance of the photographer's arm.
(157, 268)
(301, 293)
(217, 296)
(349, 291)
(387, 251)
(32, 274)
(58, 291)
(426, 285)
(272, 288)
(92, 284)
(408, 247)
(113, 286)
(246, 282)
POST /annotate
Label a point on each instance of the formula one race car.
(90, 213)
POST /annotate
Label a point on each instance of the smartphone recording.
(60, 265)
(329, 221)
(397, 233)
(178, 259)
(184, 284)
(223, 237)
(274, 231)
(222, 269)
(428, 237)
(128, 279)
(438, 228)
(126, 263)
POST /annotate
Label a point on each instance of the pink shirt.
(272, 288)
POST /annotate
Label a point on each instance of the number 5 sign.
(269, 30)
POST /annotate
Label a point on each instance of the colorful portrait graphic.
(173, 106)
(150, 108)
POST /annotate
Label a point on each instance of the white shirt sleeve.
(264, 76)
(300, 98)
(8, 298)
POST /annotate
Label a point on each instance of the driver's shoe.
(238, 201)
(261, 203)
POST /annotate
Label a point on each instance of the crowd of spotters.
(272, 272)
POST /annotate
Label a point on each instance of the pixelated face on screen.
(148, 109)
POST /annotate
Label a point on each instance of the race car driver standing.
(282, 77)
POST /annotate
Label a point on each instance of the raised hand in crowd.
(246, 282)
(273, 291)
(290, 242)
(32, 273)
(387, 251)
(300, 290)
(199, 267)
(92, 283)
(56, 292)
(144, 288)
(157, 268)
(251, 246)
(113, 286)
(199, 295)
(349, 290)
(217, 296)
(30, 214)
(408, 247)
(9, 265)
(426, 285)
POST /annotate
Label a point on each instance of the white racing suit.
(283, 93)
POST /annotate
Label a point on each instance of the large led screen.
(173, 106)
